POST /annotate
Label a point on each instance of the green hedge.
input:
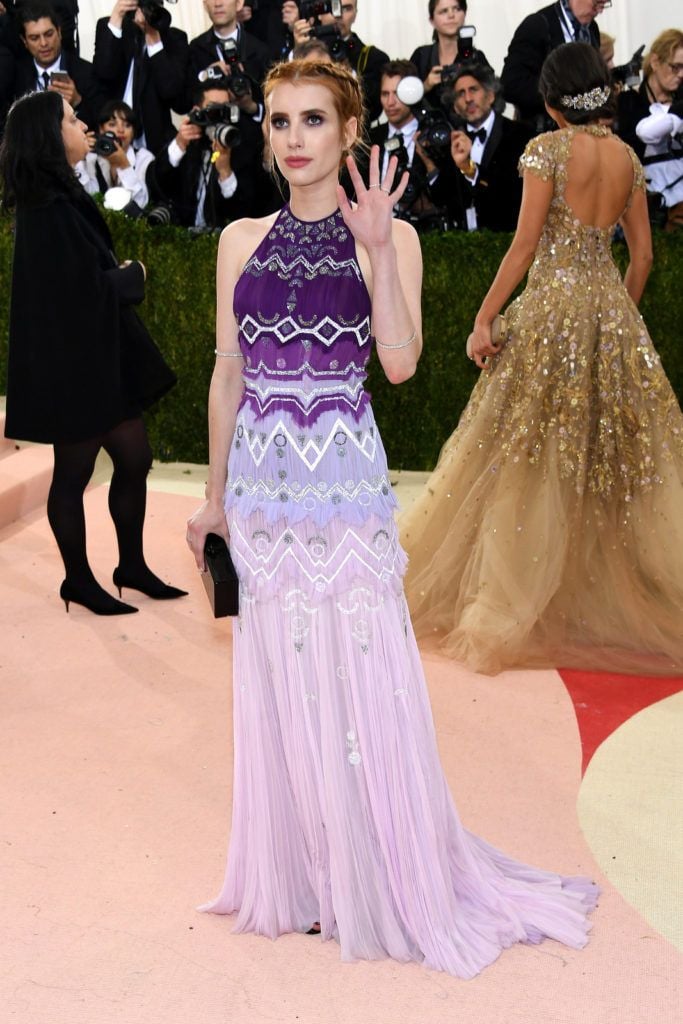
(414, 418)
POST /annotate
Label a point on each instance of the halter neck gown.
(341, 813)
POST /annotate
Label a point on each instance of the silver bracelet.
(228, 355)
(401, 344)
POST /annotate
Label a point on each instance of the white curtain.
(398, 26)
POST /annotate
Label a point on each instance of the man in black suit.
(480, 185)
(205, 183)
(566, 21)
(228, 48)
(46, 65)
(396, 138)
(144, 65)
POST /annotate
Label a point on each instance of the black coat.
(80, 359)
(536, 36)
(367, 62)
(497, 194)
(159, 82)
(81, 71)
(266, 25)
(252, 53)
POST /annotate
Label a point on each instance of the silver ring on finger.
(376, 185)
(387, 191)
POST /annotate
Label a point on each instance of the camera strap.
(363, 59)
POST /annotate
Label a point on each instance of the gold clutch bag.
(499, 335)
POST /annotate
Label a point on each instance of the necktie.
(477, 133)
(46, 80)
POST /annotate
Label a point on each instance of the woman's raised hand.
(370, 219)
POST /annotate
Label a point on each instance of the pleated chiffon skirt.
(341, 812)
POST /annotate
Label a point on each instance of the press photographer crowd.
(443, 112)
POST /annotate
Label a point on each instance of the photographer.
(318, 18)
(480, 184)
(113, 160)
(649, 119)
(229, 50)
(206, 182)
(67, 17)
(396, 138)
(45, 64)
(566, 21)
(140, 59)
(437, 61)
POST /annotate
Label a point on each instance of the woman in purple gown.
(342, 820)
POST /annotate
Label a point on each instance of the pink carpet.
(116, 760)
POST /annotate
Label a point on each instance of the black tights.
(129, 450)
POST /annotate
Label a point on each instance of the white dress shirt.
(408, 132)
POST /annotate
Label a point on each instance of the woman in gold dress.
(551, 531)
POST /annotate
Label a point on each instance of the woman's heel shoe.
(94, 599)
(151, 586)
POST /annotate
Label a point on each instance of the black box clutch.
(220, 578)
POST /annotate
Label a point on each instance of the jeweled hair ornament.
(587, 100)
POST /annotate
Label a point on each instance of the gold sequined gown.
(551, 531)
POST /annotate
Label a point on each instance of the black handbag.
(220, 579)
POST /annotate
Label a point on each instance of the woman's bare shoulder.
(245, 235)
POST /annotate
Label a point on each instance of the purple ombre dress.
(341, 813)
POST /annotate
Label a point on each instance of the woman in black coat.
(82, 366)
(447, 18)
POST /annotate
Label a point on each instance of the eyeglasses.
(676, 68)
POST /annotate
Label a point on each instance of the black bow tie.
(477, 133)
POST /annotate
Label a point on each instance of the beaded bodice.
(306, 448)
(565, 240)
(304, 320)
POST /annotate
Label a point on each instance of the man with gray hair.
(480, 185)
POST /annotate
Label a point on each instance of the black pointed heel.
(94, 599)
(151, 586)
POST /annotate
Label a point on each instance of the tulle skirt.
(551, 531)
(341, 813)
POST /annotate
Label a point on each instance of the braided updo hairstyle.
(338, 79)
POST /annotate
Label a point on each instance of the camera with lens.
(629, 74)
(331, 36)
(155, 15)
(435, 134)
(236, 81)
(314, 8)
(105, 144)
(435, 127)
(466, 51)
(219, 121)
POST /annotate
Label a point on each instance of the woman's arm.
(636, 224)
(395, 271)
(536, 197)
(396, 283)
(225, 394)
